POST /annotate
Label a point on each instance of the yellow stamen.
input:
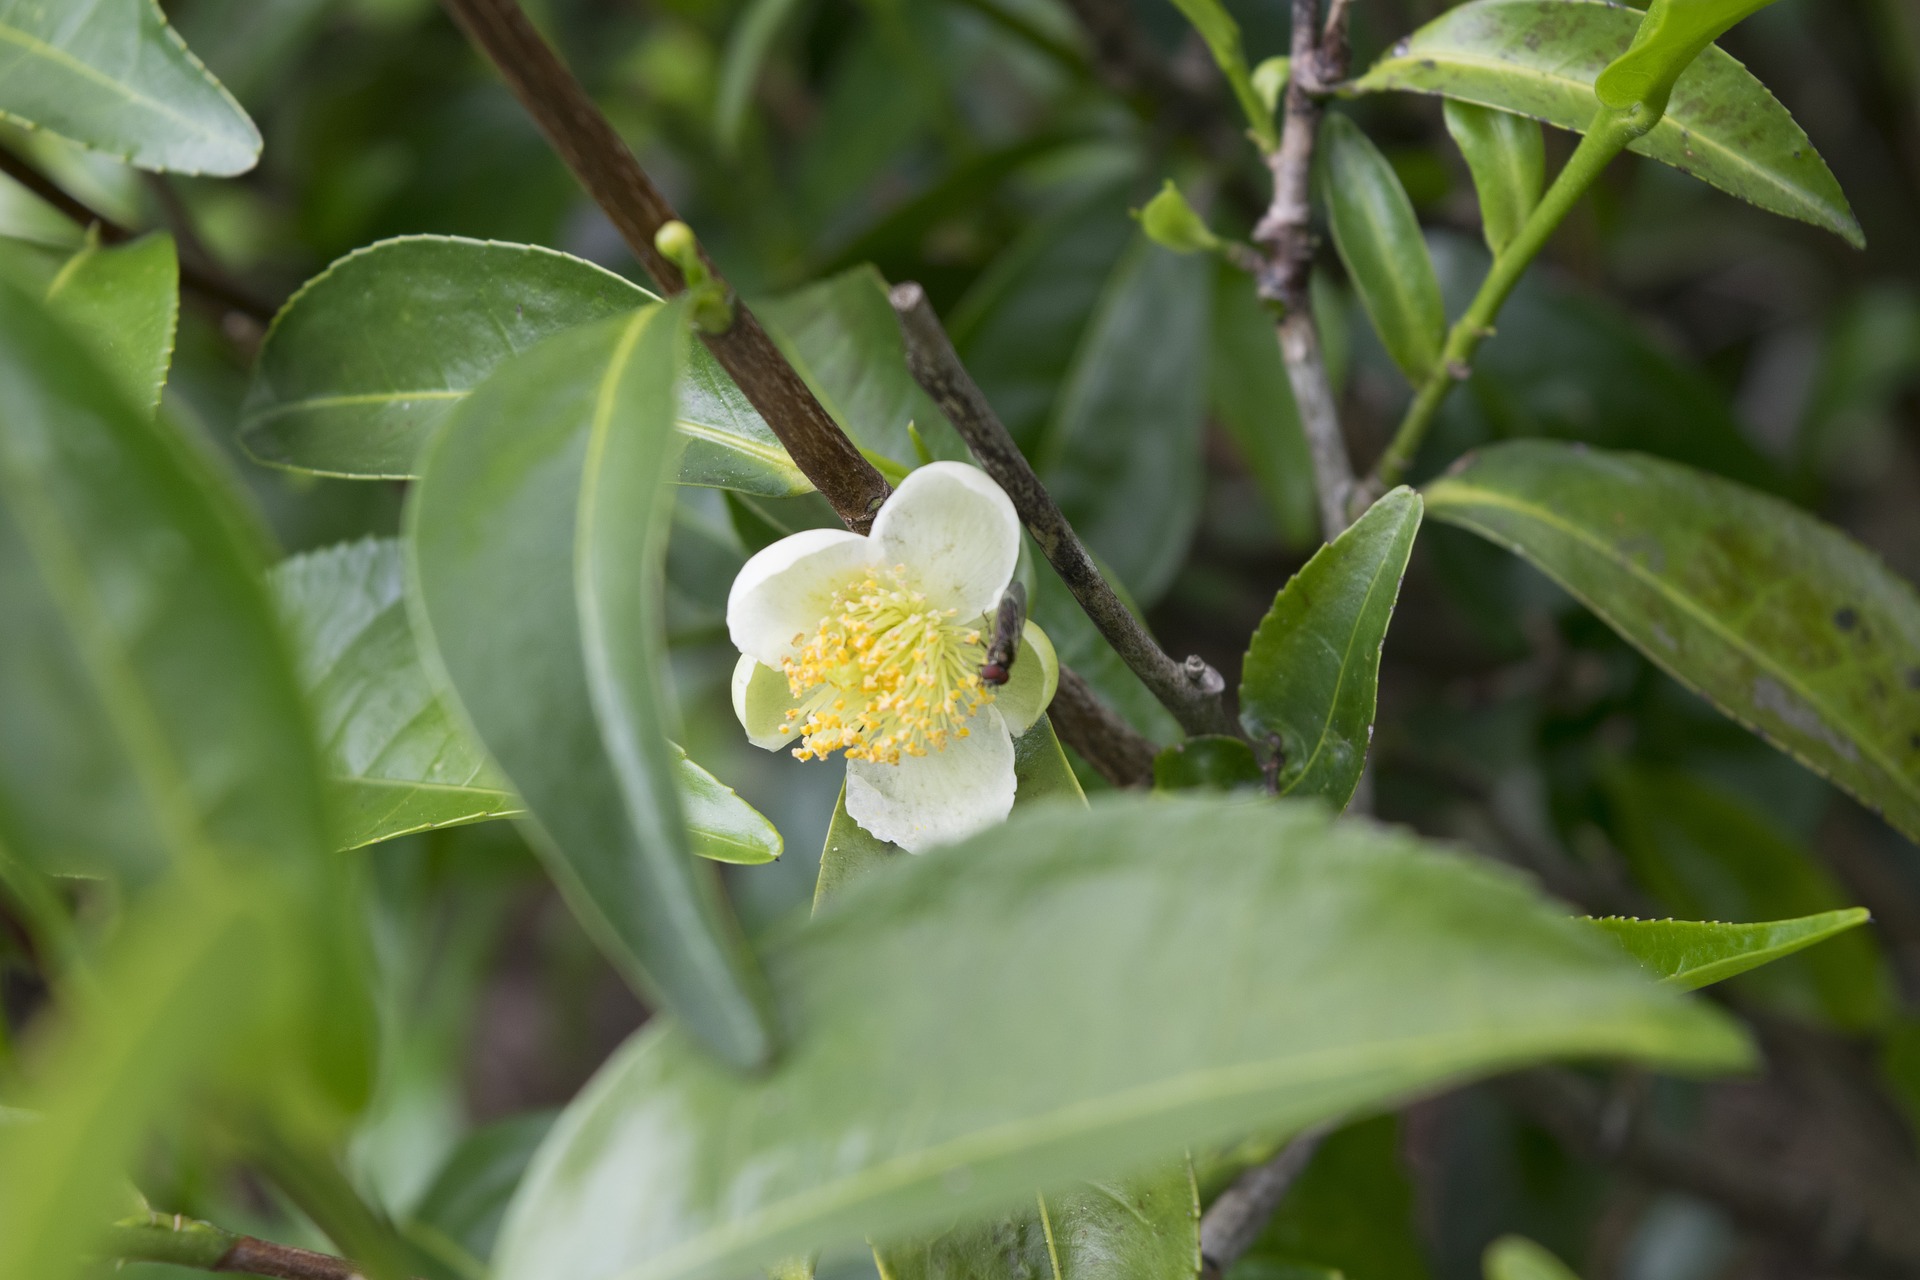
(884, 676)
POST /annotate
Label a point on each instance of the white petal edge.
(956, 532)
(761, 697)
(787, 588)
(944, 796)
(1036, 677)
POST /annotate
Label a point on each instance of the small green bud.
(676, 244)
(1170, 222)
(1270, 81)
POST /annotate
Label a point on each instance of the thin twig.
(209, 284)
(1807, 1217)
(1286, 231)
(1107, 742)
(1190, 690)
(182, 1242)
(585, 139)
(1236, 1219)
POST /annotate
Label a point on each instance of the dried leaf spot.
(1846, 618)
(1770, 696)
(1913, 678)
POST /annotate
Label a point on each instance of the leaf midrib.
(1686, 604)
(60, 57)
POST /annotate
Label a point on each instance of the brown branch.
(183, 1242)
(1106, 741)
(1235, 1220)
(1825, 1229)
(603, 164)
(1287, 233)
(1191, 690)
(208, 283)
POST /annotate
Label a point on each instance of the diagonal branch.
(182, 1242)
(1191, 690)
(1236, 1219)
(603, 164)
(1121, 754)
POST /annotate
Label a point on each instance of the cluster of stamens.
(884, 676)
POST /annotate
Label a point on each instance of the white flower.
(872, 646)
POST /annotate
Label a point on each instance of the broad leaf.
(367, 359)
(1123, 453)
(1691, 954)
(1518, 1258)
(507, 545)
(400, 761)
(1705, 854)
(1378, 237)
(844, 339)
(1540, 58)
(112, 75)
(1045, 943)
(1248, 391)
(1508, 159)
(1312, 671)
(123, 301)
(1216, 762)
(1781, 621)
(1145, 1228)
(149, 707)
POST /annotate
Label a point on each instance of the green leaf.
(149, 707)
(1145, 1228)
(1378, 237)
(1123, 454)
(1352, 1212)
(1248, 391)
(1782, 622)
(1691, 954)
(530, 595)
(123, 301)
(113, 76)
(400, 762)
(843, 338)
(1674, 33)
(1508, 159)
(1218, 763)
(1706, 854)
(468, 1196)
(372, 354)
(1171, 223)
(1540, 58)
(747, 47)
(1043, 1003)
(1518, 1258)
(1312, 671)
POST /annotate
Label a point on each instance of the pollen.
(885, 675)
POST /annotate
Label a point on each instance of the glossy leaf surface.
(1218, 762)
(1508, 160)
(1540, 58)
(500, 528)
(1039, 943)
(1782, 622)
(1673, 35)
(367, 359)
(150, 706)
(1311, 676)
(111, 75)
(400, 761)
(1379, 240)
(1691, 954)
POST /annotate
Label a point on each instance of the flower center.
(885, 675)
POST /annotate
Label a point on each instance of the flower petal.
(957, 534)
(940, 797)
(1036, 675)
(787, 588)
(761, 699)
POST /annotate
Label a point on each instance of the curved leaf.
(500, 523)
(1312, 671)
(1691, 954)
(113, 76)
(400, 762)
(1672, 36)
(372, 354)
(1782, 622)
(1379, 241)
(122, 300)
(1007, 977)
(1540, 58)
(1508, 160)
